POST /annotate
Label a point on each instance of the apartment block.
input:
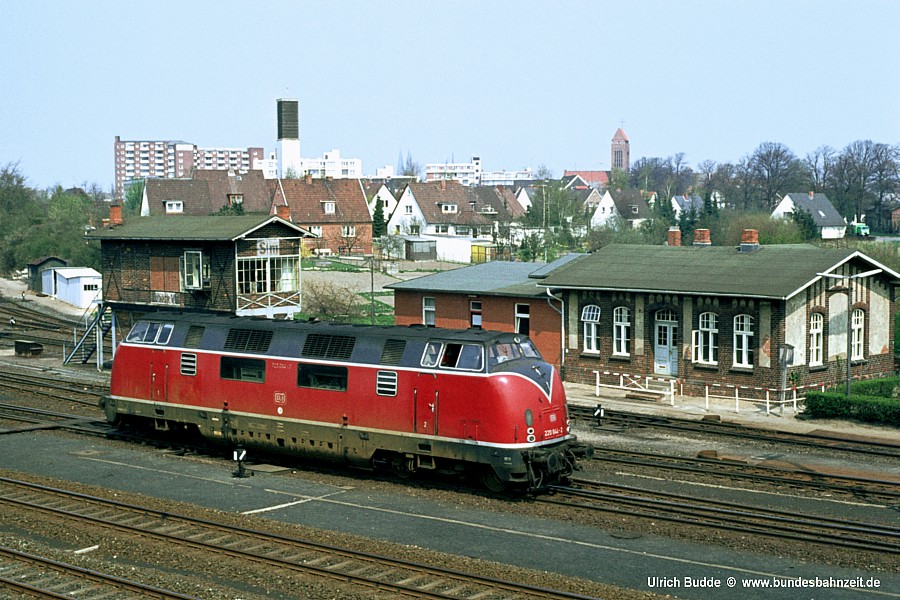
(140, 159)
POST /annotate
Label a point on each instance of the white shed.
(78, 286)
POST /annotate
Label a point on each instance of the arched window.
(706, 340)
(590, 316)
(816, 339)
(857, 328)
(743, 341)
(621, 331)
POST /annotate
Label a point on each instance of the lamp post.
(848, 289)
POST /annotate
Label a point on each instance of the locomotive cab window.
(243, 369)
(150, 332)
(453, 355)
(322, 377)
(501, 352)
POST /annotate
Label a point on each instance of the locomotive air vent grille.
(386, 383)
(321, 345)
(194, 335)
(248, 340)
(188, 364)
(392, 353)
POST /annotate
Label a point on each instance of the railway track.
(729, 516)
(873, 447)
(782, 477)
(38, 577)
(52, 386)
(277, 552)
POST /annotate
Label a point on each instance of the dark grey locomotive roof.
(372, 344)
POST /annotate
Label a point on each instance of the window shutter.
(695, 345)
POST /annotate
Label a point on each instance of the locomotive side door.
(426, 404)
(159, 377)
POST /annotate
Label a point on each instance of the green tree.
(379, 225)
(804, 222)
(134, 196)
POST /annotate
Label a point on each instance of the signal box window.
(194, 270)
(243, 369)
(322, 377)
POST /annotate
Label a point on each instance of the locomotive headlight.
(529, 418)
(531, 438)
(530, 431)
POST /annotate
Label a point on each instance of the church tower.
(620, 152)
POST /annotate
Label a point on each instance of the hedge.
(889, 387)
(871, 409)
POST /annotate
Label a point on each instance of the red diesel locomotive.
(404, 398)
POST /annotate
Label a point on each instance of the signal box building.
(248, 265)
(727, 317)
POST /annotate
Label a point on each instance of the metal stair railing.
(87, 344)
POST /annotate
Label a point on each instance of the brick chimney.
(283, 211)
(443, 184)
(115, 215)
(701, 237)
(308, 179)
(674, 237)
(749, 240)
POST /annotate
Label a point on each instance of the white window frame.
(429, 311)
(174, 207)
(706, 339)
(329, 208)
(348, 230)
(857, 329)
(475, 313)
(193, 270)
(743, 341)
(523, 316)
(621, 331)
(590, 316)
(816, 339)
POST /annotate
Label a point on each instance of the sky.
(519, 83)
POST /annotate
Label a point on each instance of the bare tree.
(331, 302)
(819, 163)
(777, 172)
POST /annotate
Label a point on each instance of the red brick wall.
(694, 377)
(498, 314)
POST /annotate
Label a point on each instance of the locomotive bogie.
(405, 398)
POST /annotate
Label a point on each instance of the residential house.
(685, 203)
(719, 316)
(594, 179)
(206, 192)
(438, 208)
(829, 222)
(628, 205)
(335, 211)
(499, 295)
(378, 193)
(589, 199)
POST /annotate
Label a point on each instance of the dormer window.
(329, 208)
(634, 210)
(174, 207)
(448, 208)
